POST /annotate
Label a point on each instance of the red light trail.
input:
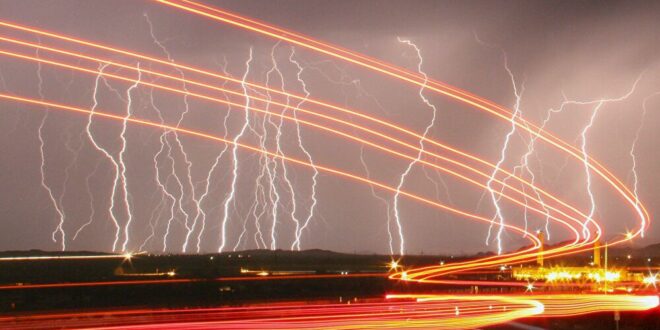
(400, 310)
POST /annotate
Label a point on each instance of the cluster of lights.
(566, 275)
(606, 276)
(563, 276)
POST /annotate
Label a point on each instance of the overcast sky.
(556, 51)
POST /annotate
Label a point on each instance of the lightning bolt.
(260, 202)
(312, 207)
(216, 162)
(42, 153)
(122, 162)
(199, 212)
(230, 198)
(499, 215)
(88, 189)
(280, 151)
(345, 81)
(633, 157)
(111, 158)
(384, 201)
(598, 104)
(421, 144)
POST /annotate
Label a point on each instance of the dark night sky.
(562, 50)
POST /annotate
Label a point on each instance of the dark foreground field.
(128, 291)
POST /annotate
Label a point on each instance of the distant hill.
(35, 252)
(652, 250)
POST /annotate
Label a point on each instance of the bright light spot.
(629, 257)
(612, 276)
(404, 275)
(629, 235)
(394, 265)
(128, 255)
(651, 280)
(171, 273)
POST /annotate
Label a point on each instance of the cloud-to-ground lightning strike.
(106, 153)
(44, 184)
(402, 178)
(633, 156)
(198, 212)
(235, 163)
(274, 69)
(585, 159)
(212, 170)
(312, 207)
(122, 161)
(499, 215)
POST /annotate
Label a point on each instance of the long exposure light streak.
(404, 76)
(242, 22)
(471, 157)
(352, 113)
(114, 76)
(329, 170)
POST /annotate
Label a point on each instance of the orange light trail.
(415, 79)
(296, 161)
(309, 100)
(334, 131)
(469, 265)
